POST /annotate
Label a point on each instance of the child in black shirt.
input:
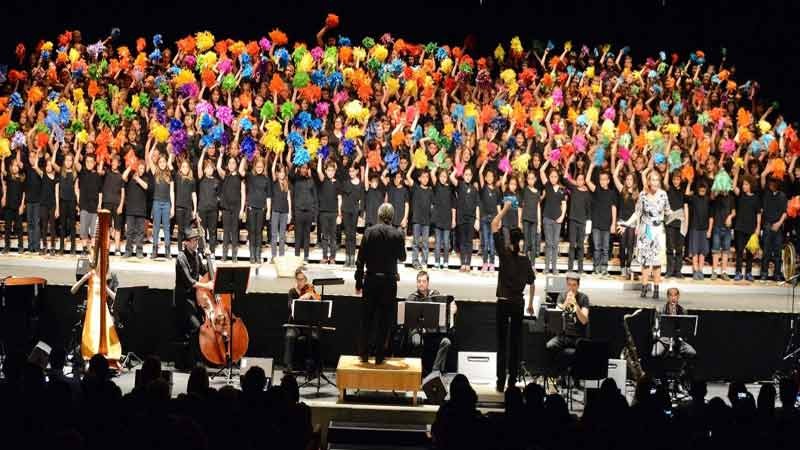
(723, 212)
(112, 196)
(444, 217)
(422, 199)
(467, 214)
(208, 199)
(699, 226)
(13, 203)
(233, 201)
(351, 195)
(531, 212)
(604, 218)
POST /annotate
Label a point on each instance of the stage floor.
(474, 286)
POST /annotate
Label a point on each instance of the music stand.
(678, 326)
(421, 315)
(312, 313)
(230, 280)
(554, 321)
(124, 305)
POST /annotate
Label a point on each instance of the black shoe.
(655, 292)
(363, 359)
(378, 362)
(643, 294)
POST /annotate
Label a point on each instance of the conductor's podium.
(395, 374)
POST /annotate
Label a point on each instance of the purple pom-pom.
(204, 107)
(190, 60)
(265, 44)
(322, 108)
(224, 115)
(317, 53)
(249, 147)
(189, 90)
(179, 140)
(348, 147)
(225, 66)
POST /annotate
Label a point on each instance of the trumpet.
(569, 304)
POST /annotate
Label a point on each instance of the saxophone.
(629, 353)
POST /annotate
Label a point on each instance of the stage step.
(364, 435)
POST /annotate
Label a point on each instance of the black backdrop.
(731, 345)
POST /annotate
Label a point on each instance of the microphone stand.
(792, 353)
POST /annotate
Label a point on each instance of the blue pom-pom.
(457, 139)
(158, 40)
(52, 95)
(599, 156)
(662, 56)
(570, 70)
(471, 124)
(249, 147)
(64, 115)
(245, 58)
(511, 143)
(663, 105)
(335, 80)
(625, 50)
(155, 55)
(247, 71)
(295, 139)
(16, 100)
(417, 135)
(324, 151)
(301, 157)
(397, 66)
(767, 139)
(756, 147)
(316, 124)
(303, 120)
(458, 112)
(623, 105)
(318, 77)
(652, 74)
(282, 55)
(392, 160)
(659, 158)
(174, 70)
(348, 147)
(175, 125)
(582, 120)
(677, 109)
(246, 124)
(441, 54)
(344, 42)
(550, 45)
(499, 124)
(51, 120)
(206, 121)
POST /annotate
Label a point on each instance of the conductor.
(382, 246)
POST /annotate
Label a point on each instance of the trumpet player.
(575, 305)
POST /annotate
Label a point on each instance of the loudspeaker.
(478, 367)
(434, 390)
(40, 355)
(82, 268)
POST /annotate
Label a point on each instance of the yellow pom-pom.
(82, 136)
(607, 129)
(673, 129)
(764, 126)
(420, 158)
(537, 115)
(513, 88)
(353, 133)
(548, 102)
(596, 88)
(82, 109)
(306, 63)
(470, 110)
(77, 94)
(448, 129)
(572, 115)
(5, 148)
(273, 128)
(446, 65)
(516, 45)
(653, 136)
(312, 145)
(392, 85)
(739, 162)
(53, 106)
(410, 88)
(161, 133)
(359, 54)
(568, 46)
(499, 53)
(135, 104)
(74, 55)
(379, 52)
(204, 40)
(589, 73)
(592, 114)
(355, 110)
(184, 77)
(508, 76)
(506, 110)
(520, 163)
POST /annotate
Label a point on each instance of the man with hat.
(575, 307)
(189, 269)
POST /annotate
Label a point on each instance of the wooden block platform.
(395, 374)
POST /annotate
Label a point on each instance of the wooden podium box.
(395, 374)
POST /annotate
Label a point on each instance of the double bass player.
(189, 269)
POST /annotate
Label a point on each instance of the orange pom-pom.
(374, 160)
(715, 114)
(311, 93)
(744, 118)
(221, 47)
(277, 85)
(278, 38)
(332, 21)
(487, 114)
(622, 128)
(141, 44)
(208, 77)
(93, 89)
(5, 119)
(187, 44)
(793, 207)
(41, 139)
(252, 48)
(777, 168)
(346, 54)
(697, 131)
(131, 160)
(35, 94)
(687, 173)
(397, 139)
(364, 91)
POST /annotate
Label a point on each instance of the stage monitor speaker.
(82, 268)
(266, 364)
(434, 389)
(554, 285)
(40, 355)
(478, 367)
(617, 371)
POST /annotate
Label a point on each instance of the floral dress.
(650, 238)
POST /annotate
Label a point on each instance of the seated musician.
(415, 338)
(668, 345)
(302, 290)
(191, 308)
(575, 307)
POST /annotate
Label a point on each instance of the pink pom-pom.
(321, 110)
(504, 165)
(225, 66)
(624, 154)
(386, 38)
(720, 124)
(225, 115)
(189, 60)
(728, 146)
(556, 128)
(340, 97)
(492, 147)
(558, 97)
(317, 53)
(555, 155)
(204, 107)
(265, 44)
(579, 142)
(609, 114)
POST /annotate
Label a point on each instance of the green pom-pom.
(228, 82)
(675, 161)
(144, 100)
(92, 70)
(100, 107)
(298, 54)
(722, 182)
(300, 80)
(676, 96)
(165, 89)
(330, 58)
(466, 68)
(128, 113)
(76, 126)
(11, 128)
(267, 111)
(431, 47)
(657, 120)
(112, 120)
(113, 90)
(368, 43)
(102, 68)
(373, 65)
(41, 128)
(287, 111)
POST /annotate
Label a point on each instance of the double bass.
(99, 334)
(214, 337)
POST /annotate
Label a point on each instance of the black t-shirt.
(48, 199)
(580, 205)
(352, 197)
(232, 192)
(33, 185)
(774, 206)
(467, 200)
(257, 188)
(112, 189)
(747, 209)
(304, 194)
(676, 200)
(14, 189)
(208, 194)
(602, 202)
(280, 200)
(184, 188)
(490, 198)
(421, 201)
(722, 206)
(66, 187)
(443, 204)
(551, 207)
(699, 212)
(89, 184)
(398, 197)
(161, 189)
(573, 326)
(374, 199)
(136, 197)
(511, 219)
(327, 192)
(530, 205)
(626, 206)
(515, 271)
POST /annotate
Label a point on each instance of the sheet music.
(401, 312)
